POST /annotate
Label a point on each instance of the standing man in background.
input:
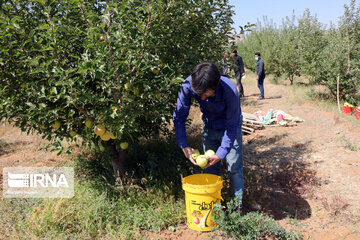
(239, 70)
(260, 74)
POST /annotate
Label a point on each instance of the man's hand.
(212, 160)
(257, 78)
(188, 151)
(243, 74)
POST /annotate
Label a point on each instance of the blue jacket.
(222, 112)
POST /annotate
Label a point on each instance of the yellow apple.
(101, 38)
(155, 71)
(209, 153)
(99, 130)
(106, 136)
(201, 161)
(158, 96)
(89, 123)
(127, 86)
(56, 125)
(136, 91)
(124, 145)
(73, 133)
(102, 149)
(194, 155)
(112, 136)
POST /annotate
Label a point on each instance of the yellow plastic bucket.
(201, 192)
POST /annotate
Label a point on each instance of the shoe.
(260, 98)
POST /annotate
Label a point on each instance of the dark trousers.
(261, 86)
(239, 84)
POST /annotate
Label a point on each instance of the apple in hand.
(209, 153)
(194, 155)
(201, 161)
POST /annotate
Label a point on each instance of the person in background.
(239, 70)
(223, 66)
(260, 74)
(220, 104)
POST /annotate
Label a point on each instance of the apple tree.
(103, 72)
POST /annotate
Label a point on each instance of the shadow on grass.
(157, 163)
(273, 97)
(251, 103)
(275, 176)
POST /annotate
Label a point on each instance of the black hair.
(205, 76)
(257, 53)
(234, 51)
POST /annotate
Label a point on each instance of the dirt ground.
(309, 175)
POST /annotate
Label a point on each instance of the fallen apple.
(196, 221)
(201, 161)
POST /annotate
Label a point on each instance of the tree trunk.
(291, 78)
(348, 51)
(337, 92)
(118, 161)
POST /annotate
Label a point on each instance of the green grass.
(253, 225)
(349, 145)
(148, 199)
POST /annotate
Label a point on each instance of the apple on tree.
(56, 125)
(99, 130)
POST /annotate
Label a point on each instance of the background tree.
(289, 54)
(303, 46)
(311, 42)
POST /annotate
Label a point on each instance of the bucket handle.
(215, 197)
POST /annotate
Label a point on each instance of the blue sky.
(251, 10)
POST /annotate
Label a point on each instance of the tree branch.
(78, 107)
(149, 13)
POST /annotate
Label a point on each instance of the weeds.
(349, 145)
(253, 225)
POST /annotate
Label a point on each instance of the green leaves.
(71, 60)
